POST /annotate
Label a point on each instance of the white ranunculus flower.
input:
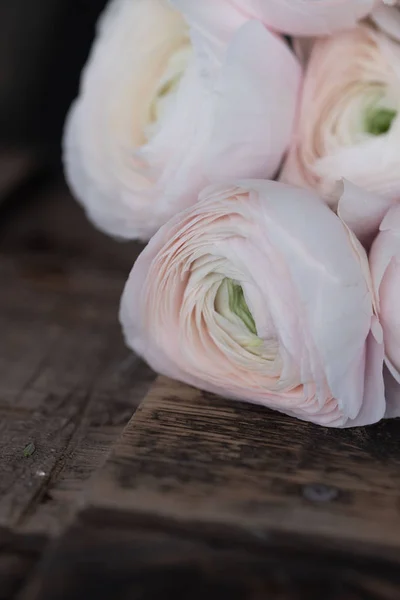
(162, 112)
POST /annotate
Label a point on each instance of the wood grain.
(190, 457)
(203, 496)
(67, 382)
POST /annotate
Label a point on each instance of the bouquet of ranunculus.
(281, 293)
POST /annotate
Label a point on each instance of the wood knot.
(319, 492)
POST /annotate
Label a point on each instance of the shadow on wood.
(109, 563)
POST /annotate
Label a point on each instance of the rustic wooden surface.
(204, 496)
(68, 385)
(191, 457)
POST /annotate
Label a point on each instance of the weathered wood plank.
(67, 382)
(114, 398)
(203, 496)
(24, 477)
(190, 457)
(48, 365)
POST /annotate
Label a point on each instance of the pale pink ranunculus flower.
(162, 112)
(294, 17)
(260, 292)
(348, 124)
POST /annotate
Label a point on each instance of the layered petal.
(295, 17)
(348, 125)
(387, 17)
(149, 128)
(362, 211)
(385, 269)
(307, 17)
(258, 292)
(255, 104)
(215, 20)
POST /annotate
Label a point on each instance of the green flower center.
(238, 305)
(378, 120)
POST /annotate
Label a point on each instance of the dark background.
(43, 47)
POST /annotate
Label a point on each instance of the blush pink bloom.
(348, 123)
(261, 293)
(160, 114)
(296, 17)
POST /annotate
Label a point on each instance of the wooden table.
(68, 385)
(199, 496)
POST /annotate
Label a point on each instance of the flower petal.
(389, 293)
(307, 17)
(362, 211)
(255, 108)
(296, 17)
(320, 263)
(374, 405)
(216, 20)
(387, 18)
